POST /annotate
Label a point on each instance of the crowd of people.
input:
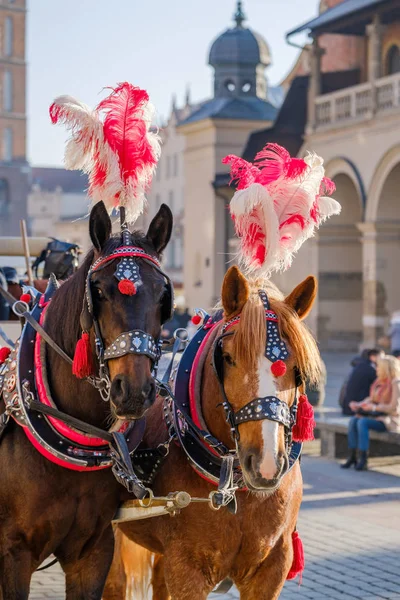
(371, 396)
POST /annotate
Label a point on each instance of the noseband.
(269, 408)
(134, 341)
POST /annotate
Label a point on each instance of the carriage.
(93, 434)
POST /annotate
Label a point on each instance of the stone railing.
(357, 103)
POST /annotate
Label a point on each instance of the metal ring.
(176, 334)
(147, 501)
(19, 308)
(211, 499)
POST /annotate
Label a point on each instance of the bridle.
(135, 341)
(269, 408)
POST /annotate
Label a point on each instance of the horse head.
(260, 326)
(125, 323)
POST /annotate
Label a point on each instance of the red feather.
(243, 172)
(125, 129)
(275, 162)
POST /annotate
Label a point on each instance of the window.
(246, 87)
(168, 167)
(393, 60)
(8, 144)
(230, 85)
(8, 92)
(8, 36)
(171, 200)
(175, 165)
(4, 200)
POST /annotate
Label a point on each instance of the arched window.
(8, 36)
(393, 60)
(230, 85)
(4, 199)
(8, 144)
(8, 92)
(246, 87)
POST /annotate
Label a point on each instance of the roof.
(239, 46)
(49, 178)
(289, 127)
(251, 109)
(336, 19)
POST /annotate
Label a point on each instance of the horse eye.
(98, 293)
(228, 359)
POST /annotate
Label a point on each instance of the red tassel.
(82, 365)
(26, 298)
(196, 319)
(278, 368)
(303, 430)
(127, 287)
(4, 354)
(298, 563)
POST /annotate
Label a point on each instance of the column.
(374, 33)
(314, 86)
(373, 306)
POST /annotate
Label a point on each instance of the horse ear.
(160, 229)
(303, 296)
(99, 226)
(235, 292)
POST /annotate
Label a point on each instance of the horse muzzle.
(262, 477)
(130, 401)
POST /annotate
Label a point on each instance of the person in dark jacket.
(360, 381)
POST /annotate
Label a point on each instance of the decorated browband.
(275, 350)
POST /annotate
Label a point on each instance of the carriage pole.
(25, 243)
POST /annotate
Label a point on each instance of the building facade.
(242, 102)
(14, 170)
(357, 131)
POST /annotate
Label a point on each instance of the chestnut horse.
(48, 509)
(199, 547)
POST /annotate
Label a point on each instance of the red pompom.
(82, 365)
(127, 287)
(303, 430)
(298, 563)
(26, 298)
(278, 368)
(196, 319)
(4, 354)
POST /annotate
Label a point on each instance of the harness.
(65, 440)
(210, 458)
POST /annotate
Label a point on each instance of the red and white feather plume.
(279, 203)
(114, 144)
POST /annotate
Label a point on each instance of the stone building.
(242, 103)
(14, 169)
(357, 131)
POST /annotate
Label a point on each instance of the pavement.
(349, 523)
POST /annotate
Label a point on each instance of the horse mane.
(250, 336)
(66, 305)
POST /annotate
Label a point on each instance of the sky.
(78, 47)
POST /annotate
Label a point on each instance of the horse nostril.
(250, 463)
(118, 387)
(149, 389)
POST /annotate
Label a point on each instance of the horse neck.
(71, 395)
(211, 399)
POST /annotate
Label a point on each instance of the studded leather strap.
(133, 342)
(270, 408)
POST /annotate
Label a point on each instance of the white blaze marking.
(270, 429)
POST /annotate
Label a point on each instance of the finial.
(239, 15)
(173, 103)
(187, 96)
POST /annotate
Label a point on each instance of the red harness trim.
(67, 432)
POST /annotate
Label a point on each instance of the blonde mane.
(250, 336)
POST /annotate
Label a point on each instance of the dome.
(240, 46)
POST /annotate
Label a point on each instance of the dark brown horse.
(197, 549)
(44, 508)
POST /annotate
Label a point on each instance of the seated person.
(360, 380)
(380, 411)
